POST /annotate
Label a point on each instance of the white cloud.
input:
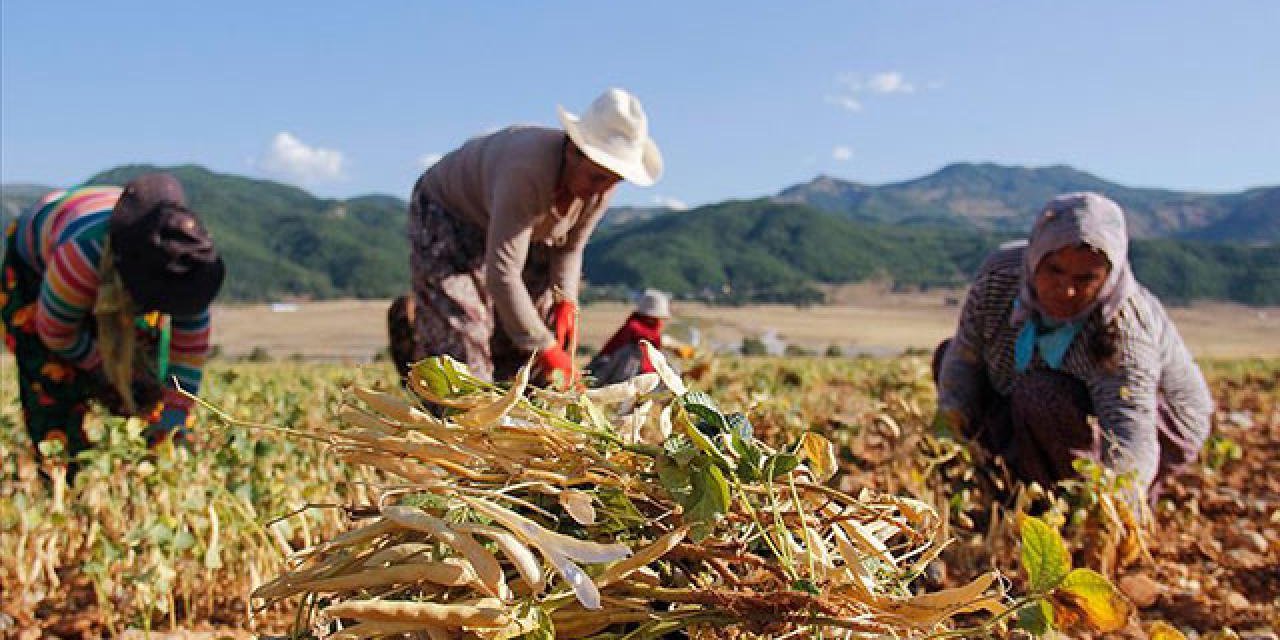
(427, 160)
(841, 153)
(853, 87)
(890, 82)
(846, 102)
(674, 204)
(291, 158)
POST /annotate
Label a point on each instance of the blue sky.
(744, 98)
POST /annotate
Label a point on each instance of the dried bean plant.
(630, 511)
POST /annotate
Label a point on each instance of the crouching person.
(1060, 354)
(105, 296)
(621, 358)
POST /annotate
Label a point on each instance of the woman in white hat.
(499, 224)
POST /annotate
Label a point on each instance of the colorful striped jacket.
(1154, 370)
(62, 238)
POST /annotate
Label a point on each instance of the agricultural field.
(175, 541)
(863, 319)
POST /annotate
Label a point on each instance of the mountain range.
(1000, 198)
(280, 241)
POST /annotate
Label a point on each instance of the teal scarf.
(1052, 341)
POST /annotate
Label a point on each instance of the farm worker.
(1061, 354)
(497, 226)
(105, 296)
(621, 358)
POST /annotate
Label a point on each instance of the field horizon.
(861, 320)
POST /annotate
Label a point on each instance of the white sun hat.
(614, 133)
(654, 303)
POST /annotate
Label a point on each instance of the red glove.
(564, 323)
(553, 359)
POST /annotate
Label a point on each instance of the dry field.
(174, 540)
(877, 324)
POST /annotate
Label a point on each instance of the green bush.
(753, 346)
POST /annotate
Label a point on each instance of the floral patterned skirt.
(451, 310)
(53, 392)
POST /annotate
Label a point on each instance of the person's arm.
(188, 351)
(67, 294)
(511, 222)
(1184, 395)
(1124, 399)
(961, 374)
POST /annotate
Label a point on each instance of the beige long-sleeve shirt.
(505, 182)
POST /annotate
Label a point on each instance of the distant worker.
(105, 296)
(499, 224)
(621, 358)
(1060, 354)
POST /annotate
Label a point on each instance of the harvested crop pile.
(638, 509)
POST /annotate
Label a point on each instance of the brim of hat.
(654, 312)
(644, 173)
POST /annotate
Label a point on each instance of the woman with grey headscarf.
(1060, 354)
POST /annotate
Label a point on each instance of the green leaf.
(675, 479)
(1088, 469)
(707, 417)
(703, 443)
(1088, 595)
(1036, 618)
(1044, 555)
(710, 498)
(680, 448)
(427, 501)
(431, 370)
(780, 464)
(618, 514)
(749, 458)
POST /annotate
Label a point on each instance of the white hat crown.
(614, 133)
(654, 303)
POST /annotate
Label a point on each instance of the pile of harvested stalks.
(631, 511)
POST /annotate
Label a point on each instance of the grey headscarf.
(1069, 220)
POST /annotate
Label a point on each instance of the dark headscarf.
(164, 254)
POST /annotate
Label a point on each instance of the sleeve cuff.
(175, 400)
(536, 342)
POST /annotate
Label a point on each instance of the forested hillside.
(280, 241)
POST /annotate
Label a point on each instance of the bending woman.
(1061, 354)
(105, 296)
(501, 222)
